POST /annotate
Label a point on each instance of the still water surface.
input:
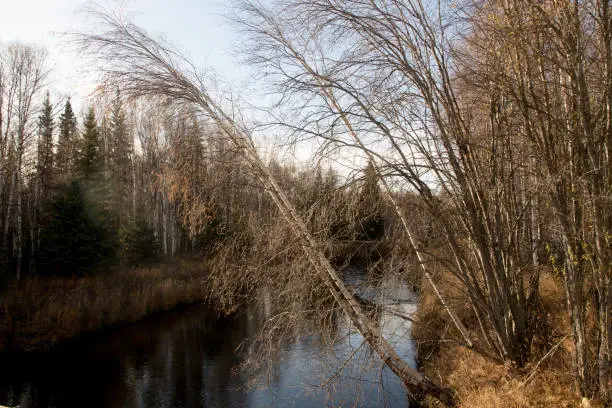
(192, 358)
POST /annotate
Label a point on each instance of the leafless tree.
(389, 83)
(22, 79)
(318, 83)
(143, 66)
(470, 104)
(552, 69)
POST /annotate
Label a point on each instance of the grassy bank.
(546, 381)
(42, 311)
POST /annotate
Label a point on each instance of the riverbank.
(40, 312)
(546, 381)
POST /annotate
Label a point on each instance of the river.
(192, 357)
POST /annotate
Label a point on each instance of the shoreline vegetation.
(39, 313)
(480, 381)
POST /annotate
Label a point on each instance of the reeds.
(42, 311)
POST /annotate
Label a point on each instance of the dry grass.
(482, 382)
(39, 312)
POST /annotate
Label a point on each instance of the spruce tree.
(66, 145)
(45, 146)
(90, 157)
(139, 245)
(44, 177)
(79, 234)
(76, 240)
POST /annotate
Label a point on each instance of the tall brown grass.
(480, 381)
(42, 311)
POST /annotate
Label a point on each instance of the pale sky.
(195, 27)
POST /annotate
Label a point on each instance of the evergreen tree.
(78, 237)
(139, 245)
(90, 157)
(45, 144)
(44, 178)
(66, 145)
(74, 241)
(90, 171)
(120, 166)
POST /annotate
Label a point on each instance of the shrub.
(138, 244)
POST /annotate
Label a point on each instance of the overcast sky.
(196, 27)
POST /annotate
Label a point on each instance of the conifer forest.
(448, 241)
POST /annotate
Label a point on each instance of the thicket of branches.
(132, 181)
(497, 114)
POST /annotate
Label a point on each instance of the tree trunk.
(19, 227)
(9, 217)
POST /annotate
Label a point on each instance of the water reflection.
(192, 358)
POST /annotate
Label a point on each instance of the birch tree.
(22, 82)
(552, 68)
(473, 102)
(143, 66)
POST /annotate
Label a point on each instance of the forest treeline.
(494, 118)
(72, 200)
(131, 183)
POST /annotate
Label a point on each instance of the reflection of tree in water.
(316, 355)
(189, 364)
(196, 358)
(176, 359)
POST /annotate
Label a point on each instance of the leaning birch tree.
(141, 65)
(504, 107)
(270, 33)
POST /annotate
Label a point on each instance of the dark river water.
(192, 358)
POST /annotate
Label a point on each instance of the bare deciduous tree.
(22, 79)
(389, 83)
(143, 66)
(470, 104)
